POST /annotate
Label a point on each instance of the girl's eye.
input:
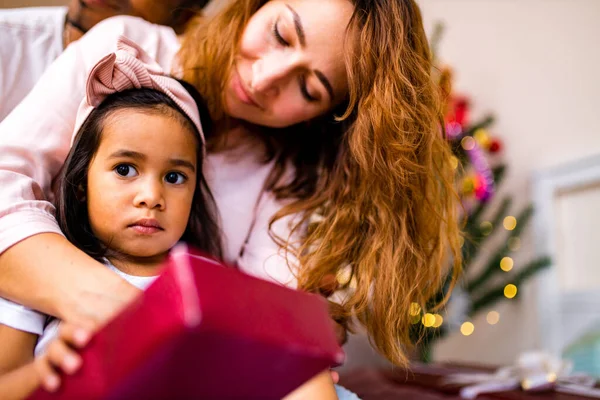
(175, 178)
(278, 36)
(304, 90)
(125, 170)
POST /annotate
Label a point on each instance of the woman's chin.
(240, 113)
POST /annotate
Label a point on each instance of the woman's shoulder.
(133, 26)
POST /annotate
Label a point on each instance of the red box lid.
(203, 330)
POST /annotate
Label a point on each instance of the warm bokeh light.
(467, 328)
(506, 264)
(493, 317)
(486, 227)
(468, 143)
(438, 320)
(510, 291)
(468, 186)
(428, 320)
(482, 138)
(510, 223)
(415, 309)
(343, 276)
(514, 244)
(454, 162)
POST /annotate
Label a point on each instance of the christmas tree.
(480, 171)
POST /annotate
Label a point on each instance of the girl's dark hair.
(202, 230)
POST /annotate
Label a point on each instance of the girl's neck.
(138, 266)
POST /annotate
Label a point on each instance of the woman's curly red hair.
(379, 174)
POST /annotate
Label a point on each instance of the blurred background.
(524, 90)
(532, 64)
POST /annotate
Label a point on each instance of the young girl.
(132, 187)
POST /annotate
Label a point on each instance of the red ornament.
(458, 111)
(495, 146)
(461, 110)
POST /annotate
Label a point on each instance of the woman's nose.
(150, 195)
(270, 72)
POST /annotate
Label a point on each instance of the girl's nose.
(150, 195)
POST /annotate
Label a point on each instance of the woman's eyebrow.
(302, 40)
(298, 26)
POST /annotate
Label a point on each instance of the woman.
(331, 112)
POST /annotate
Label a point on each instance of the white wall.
(534, 64)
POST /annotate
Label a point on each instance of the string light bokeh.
(510, 291)
(467, 328)
(506, 264)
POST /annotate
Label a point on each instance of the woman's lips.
(241, 92)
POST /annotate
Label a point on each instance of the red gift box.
(202, 330)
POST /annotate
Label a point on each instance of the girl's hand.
(61, 356)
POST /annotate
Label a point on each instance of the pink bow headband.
(131, 68)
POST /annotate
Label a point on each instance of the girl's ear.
(81, 193)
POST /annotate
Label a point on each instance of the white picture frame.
(563, 314)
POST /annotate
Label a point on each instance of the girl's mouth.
(146, 226)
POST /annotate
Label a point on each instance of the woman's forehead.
(322, 24)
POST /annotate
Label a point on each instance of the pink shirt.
(35, 138)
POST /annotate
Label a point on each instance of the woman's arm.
(38, 267)
(69, 284)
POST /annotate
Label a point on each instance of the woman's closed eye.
(302, 79)
(176, 178)
(126, 170)
(304, 89)
(278, 35)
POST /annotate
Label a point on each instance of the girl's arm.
(16, 349)
(61, 355)
(38, 267)
(18, 378)
(20, 383)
